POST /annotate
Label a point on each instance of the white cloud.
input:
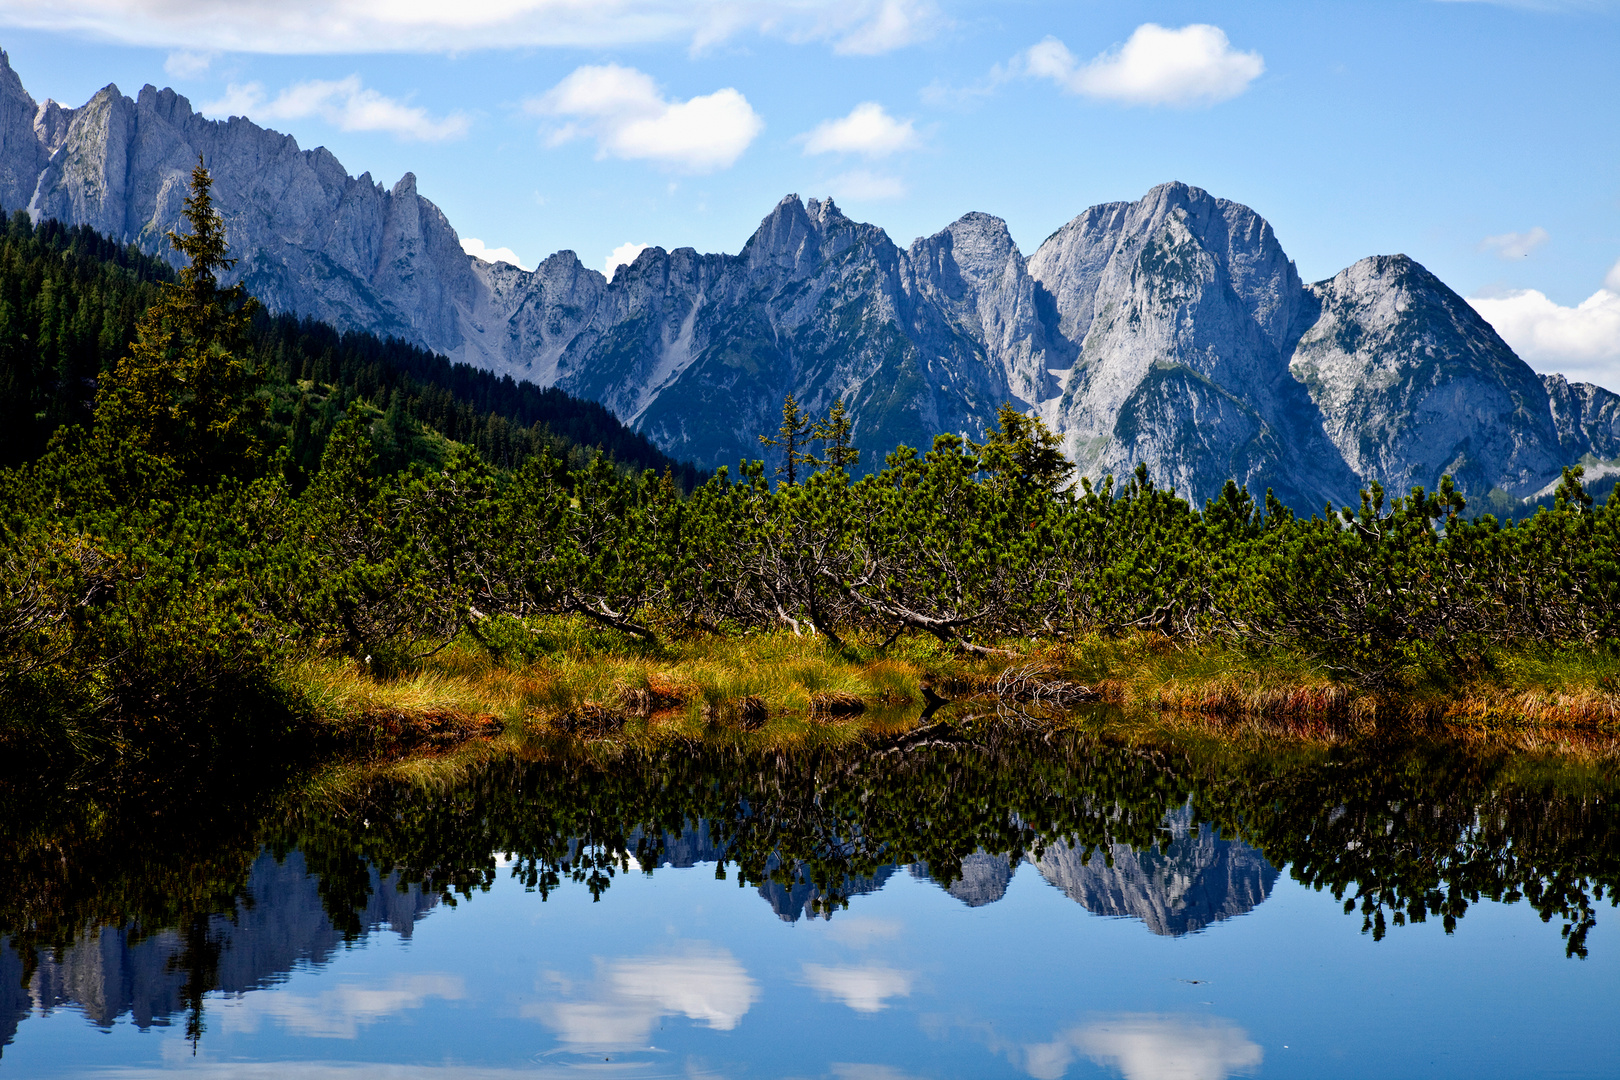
(341, 1012)
(1582, 342)
(634, 994)
(184, 64)
(854, 1070)
(475, 247)
(1514, 245)
(622, 109)
(623, 255)
(1145, 1047)
(859, 185)
(1195, 65)
(343, 103)
(887, 25)
(867, 130)
(303, 27)
(866, 988)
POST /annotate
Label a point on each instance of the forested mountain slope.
(69, 302)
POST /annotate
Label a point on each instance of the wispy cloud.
(185, 64)
(303, 27)
(343, 103)
(622, 109)
(1195, 65)
(868, 130)
(862, 185)
(1514, 245)
(340, 1013)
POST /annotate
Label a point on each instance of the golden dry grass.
(782, 689)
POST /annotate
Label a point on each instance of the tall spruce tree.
(186, 391)
(834, 433)
(793, 439)
(1022, 450)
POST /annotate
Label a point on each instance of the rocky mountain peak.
(980, 245)
(1171, 330)
(21, 156)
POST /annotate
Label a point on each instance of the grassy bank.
(566, 678)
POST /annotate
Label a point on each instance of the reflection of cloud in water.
(338, 1013)
(203, 1069)
(866, 988)
(632, 995)
(860, 931)
(848, 1070)
(1147, 1047)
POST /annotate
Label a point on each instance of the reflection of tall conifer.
(185, 391)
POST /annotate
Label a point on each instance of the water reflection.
(1146, 1047)
(279, 921)
(146, 918)
(1189, 878)
(341, 1012)
(630, 996)
(865, 988)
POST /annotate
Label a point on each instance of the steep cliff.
(1173, 330)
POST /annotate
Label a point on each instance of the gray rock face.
(1173, 330)
(1184, 884)
(1414, 384)
(1586, 417)
(1182, 304)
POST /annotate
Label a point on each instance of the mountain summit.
(1172, 330)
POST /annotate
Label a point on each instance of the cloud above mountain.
(344, 103)
(623, 110)
(623, 255)
(1581, 341)
(868, 130)
(478, 250)
(1514, 245)
(304, 27)
(1195, 65)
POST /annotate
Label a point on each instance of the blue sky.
(1483, 139)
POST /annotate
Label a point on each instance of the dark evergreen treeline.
(319, 371)
(70, 299)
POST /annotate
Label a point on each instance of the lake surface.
(940, 905)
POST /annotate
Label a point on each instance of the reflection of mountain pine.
(1401, 832)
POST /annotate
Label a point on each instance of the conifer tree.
(793, 438)
(185, 391)
(834, 433)
(1023, 450)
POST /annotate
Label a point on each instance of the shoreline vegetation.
(781, 690)
(173, 583)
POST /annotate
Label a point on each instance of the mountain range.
(1173, 330)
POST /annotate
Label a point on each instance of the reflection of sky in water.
(676, 974)
(1150, 1048)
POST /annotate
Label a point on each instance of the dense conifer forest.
(70, 300)
(231, 494)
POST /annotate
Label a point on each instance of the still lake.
(957, 905)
